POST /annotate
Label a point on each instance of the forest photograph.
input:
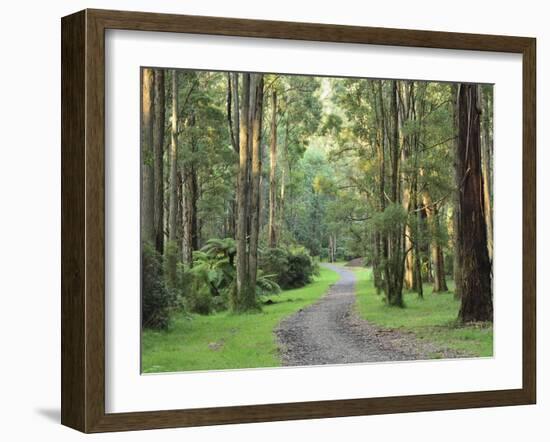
(292, 220)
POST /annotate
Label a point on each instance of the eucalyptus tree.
(147, 172)
(247, 226)
(475, 283)
(158, 159)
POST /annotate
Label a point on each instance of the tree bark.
(486, 153)
(282, 191)
(230, 121)
(457, 273)
(242, 294)
(158, 139)
(256, 173)
(395, 262)
(381, 142)
(272, 238)
(475, 284)
(407, 183)
(147, 158)
(236, 112)
(233, 115)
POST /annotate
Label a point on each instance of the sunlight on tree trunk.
(147, 171)
(486, 155)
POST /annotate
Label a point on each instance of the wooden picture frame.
(83, 220)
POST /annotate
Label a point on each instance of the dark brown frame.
(83, 216)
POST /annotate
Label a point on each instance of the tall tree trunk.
(394, 113)
(282, 192)
(395, 262)
(381, 142)
(236, 107)
(256, 172)
(407, 101)
(173, 194)
(475, 284)
(486, 152)
(147, 156)
(235, 118)
(158, 139)
(242, 294)
(272, 239)
(457, 271)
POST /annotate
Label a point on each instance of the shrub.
(301, 268)
(198, 298)
(292, 267)
(156, 299)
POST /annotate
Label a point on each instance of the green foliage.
(292, 267)
(393, 216)
(213, 276)
(214, 265)
(156, 299)
(266, 284)
(206, 286)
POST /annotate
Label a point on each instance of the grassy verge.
(432, 319)
(225, 341)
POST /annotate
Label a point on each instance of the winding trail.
(329, 331)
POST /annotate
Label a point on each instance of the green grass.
(224, 340)
(432, 319)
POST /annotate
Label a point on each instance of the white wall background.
(30, 220)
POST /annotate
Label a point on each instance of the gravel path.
(329, 332)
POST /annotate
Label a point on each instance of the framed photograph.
(267, 220)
